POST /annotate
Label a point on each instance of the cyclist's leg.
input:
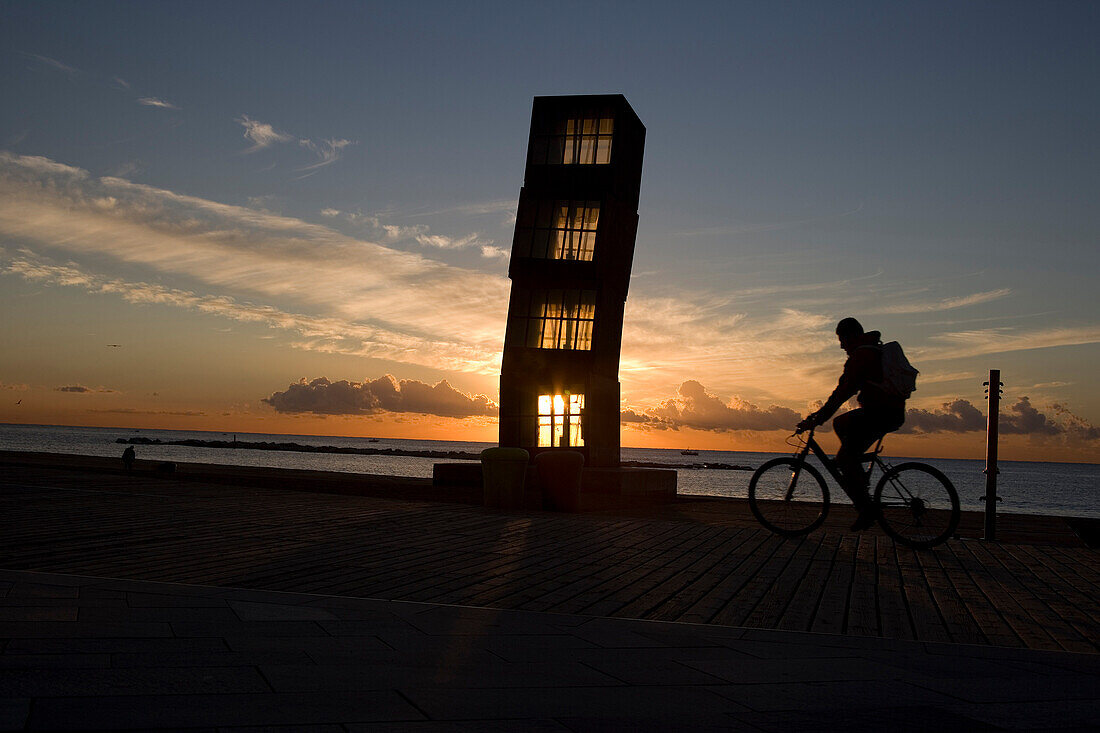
(858, 430)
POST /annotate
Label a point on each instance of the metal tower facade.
(570, 269)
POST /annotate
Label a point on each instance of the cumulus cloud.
(695, 407)
(957, 416)
(1019, 418)
(261, 134)
(154, 102)
(385, 394)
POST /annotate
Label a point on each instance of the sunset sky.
(204, 203)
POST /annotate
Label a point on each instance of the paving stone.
(113, 645)
(831, 696)
(77, 629)
(1030, 688)
(680, 706)
(144, 681)
(14, 712)
(1045, 715)
(157, 711)
(48, 661)
(37, 613)
(309, 644)
(640, 725)
(217, 659)
(653, 672)
(896, 720)
(440, 672)
(44, 590)
(242, 628)
(805, 670)
(527, 725)
(164, 600)
(157, 614)
(253, 611)
(371, 627)
(285, 729)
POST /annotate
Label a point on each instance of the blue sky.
(247, 194)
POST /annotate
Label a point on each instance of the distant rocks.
(267, 445)
(452, 455)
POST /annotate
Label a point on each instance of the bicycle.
(917, 504)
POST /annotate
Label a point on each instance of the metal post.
(993, 394)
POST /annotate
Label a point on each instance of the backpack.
(899, 378)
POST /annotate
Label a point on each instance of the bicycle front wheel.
(920, 507)
(789, 497)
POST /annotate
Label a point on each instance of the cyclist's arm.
(851, 381)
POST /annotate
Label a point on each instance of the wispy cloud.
(261, 134)
(348, 295)
(962, 344)
(120, 82)
(154, 102)
(492, 252)
(944, 304)
(327, 152)
(70, 71)
(264, 135)
(134, 411)
(444, 242)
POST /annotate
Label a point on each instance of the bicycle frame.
(822, 456)
(830, 465)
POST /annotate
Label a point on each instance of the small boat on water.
(689, 452)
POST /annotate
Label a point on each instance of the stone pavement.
(86, 653)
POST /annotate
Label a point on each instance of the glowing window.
(576, 141)
(587, 141)
(554, 319)
(560, 420)
(557, 230)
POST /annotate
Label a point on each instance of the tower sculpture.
(570, 269)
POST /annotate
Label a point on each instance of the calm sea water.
(1037, 488)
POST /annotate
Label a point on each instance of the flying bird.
(19, 402)
(116, 346)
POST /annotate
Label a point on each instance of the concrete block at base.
(504, 473)
(559, 474)
(609, 488)
(467, 473)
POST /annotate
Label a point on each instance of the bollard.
(993, 394)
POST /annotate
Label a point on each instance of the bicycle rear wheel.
(920, 507)
(789, 497)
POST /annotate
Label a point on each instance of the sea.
(1067, 489)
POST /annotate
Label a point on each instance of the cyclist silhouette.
(879, 412)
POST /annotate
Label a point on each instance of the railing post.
(993, 394)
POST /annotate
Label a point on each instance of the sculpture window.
(558, 230)
(560, 420)
(554, 319)
(576, 141)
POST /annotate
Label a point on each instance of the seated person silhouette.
(879, 412)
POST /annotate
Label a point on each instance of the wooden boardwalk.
(659, 564)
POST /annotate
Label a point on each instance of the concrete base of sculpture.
(600, 489)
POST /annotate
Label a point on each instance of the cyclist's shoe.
(867, 517)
